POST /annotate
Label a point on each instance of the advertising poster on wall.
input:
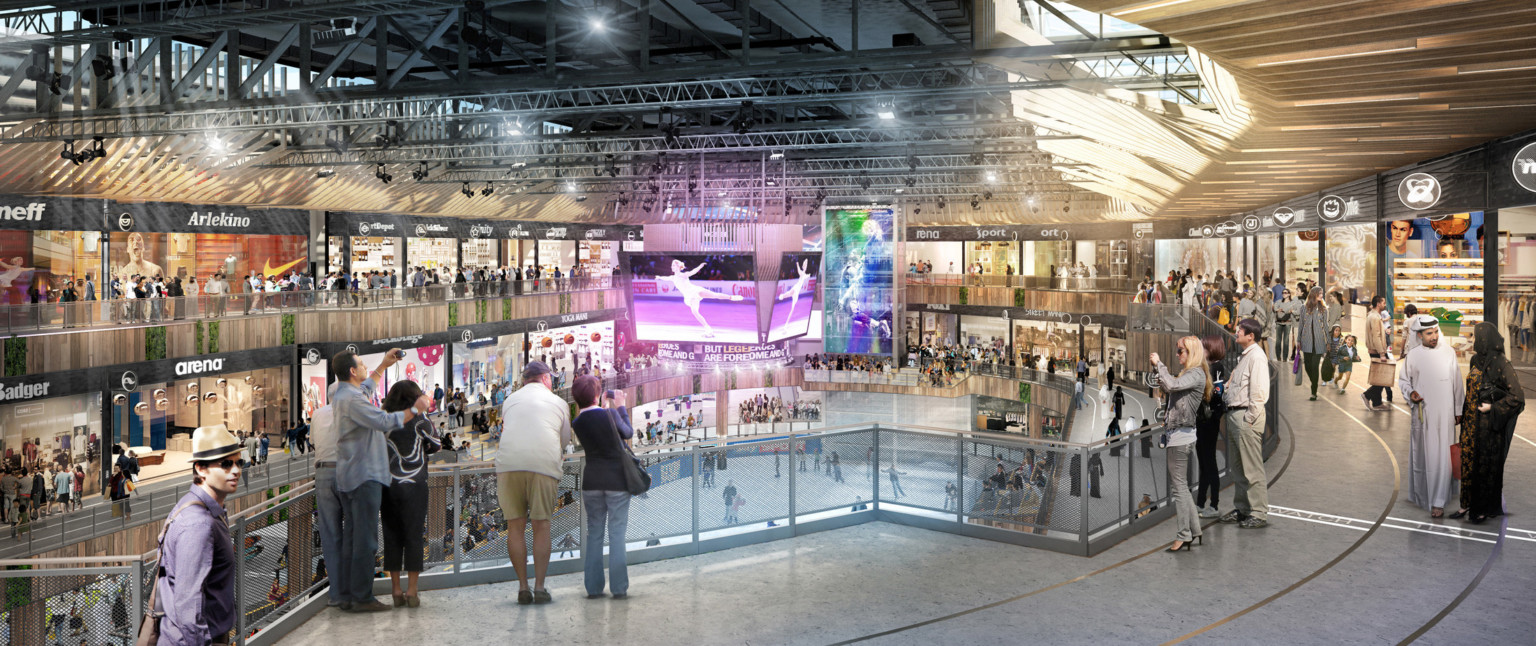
(689, 297)
(795, 295)
(859, 293)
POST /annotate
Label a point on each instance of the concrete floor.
(1324, 572)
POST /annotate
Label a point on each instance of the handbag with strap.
(1456, 461)
(636, 479)
(149, 628)
(1382, 373)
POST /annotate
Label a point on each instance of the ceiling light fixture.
(488, 190)
(382, 175)
(1358, 99)
(777, 154)
(1502, 66)
(1147, 7)
(467, 191)
(1369, 49)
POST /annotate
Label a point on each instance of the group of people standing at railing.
(763, 409)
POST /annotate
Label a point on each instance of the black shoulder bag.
(636, 479)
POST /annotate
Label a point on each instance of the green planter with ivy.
(15, 357)
(213, 337)
(965, 296)
(453, 314)
(288, 332)
(154, 343)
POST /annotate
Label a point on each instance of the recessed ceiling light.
(1369, 49)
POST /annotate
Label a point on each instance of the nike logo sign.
(270, 272)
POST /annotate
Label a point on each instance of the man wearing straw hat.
(196, 586)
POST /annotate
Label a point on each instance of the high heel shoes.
(1200, 540)
(1183, 547)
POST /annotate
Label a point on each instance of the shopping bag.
(1383, 373)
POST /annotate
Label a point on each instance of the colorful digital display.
(694, 297)
(859, 292)
(794, 296)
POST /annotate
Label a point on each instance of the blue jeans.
(359, 541)
(609, 508)
(328, 502)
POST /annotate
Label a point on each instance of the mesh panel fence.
(279, 559)
(917, 469)
(667, 509)
(834, 479)
(69, 608)
(754, 486)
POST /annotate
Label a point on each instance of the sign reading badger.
(24, 391)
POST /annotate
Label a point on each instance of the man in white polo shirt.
(528, 472)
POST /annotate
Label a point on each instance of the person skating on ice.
(693, 295)
(793, 293)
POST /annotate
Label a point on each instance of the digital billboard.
(693, 297)
(794, 296)
(859, 292)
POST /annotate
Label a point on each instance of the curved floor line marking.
(1498, 547)
(1396, 485)
(1289, 454)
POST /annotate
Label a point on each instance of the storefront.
(1100, 249)
(931, 327)
(423, 363)
(984, 331)
(999, 415)
(485, 355)
(155, 405)
(53, 419)
(45, 241)
(572, 342)
(359, 242)
(184, 241)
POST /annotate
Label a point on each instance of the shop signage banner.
(484, 331)
(394, 225)
(308, 352)
(48, 384)
(1020, 313)
(722, 352)
(23, 213)
(998, 233)
(161, 217)
(131, 376)
(574, 318)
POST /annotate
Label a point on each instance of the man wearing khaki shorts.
(528, 472)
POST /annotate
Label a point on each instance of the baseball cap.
(535, 369)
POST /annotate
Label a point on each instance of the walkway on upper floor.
(1345, 559)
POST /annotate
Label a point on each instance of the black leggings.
(1311, 360)
(1206, 434)
(404, 519)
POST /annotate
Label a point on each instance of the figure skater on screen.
(693, 295)
(793, 293)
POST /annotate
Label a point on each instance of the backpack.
(1224, 317)
(1215, 407)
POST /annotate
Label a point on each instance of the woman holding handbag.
(1312, 335)
(605, 491)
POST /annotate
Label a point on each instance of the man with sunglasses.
(196, 586)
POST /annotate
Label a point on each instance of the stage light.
(467, 191)
(421, 172)
(777, 154)
(103, 68)
(942, 206)
(216, 144)
(325, 173)
(68, 154)
(991, 177)
(986, 195)
(899, 191)
(772, 182)
(382, 175)
(488, 190)
(570, 187)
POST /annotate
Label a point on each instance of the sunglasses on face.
(227, 464)
(1179, 351)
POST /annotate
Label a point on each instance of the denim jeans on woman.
(610, 509)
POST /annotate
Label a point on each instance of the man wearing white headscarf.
(1431, 382)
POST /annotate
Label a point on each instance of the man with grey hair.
(528, 470)
(1432, 383)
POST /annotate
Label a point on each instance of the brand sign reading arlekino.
(155, 217)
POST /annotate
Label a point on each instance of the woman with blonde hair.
(1185, 392)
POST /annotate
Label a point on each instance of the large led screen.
(859, 292)
(693, 297)
(794, 296)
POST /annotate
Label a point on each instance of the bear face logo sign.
(1419, 191)
(312, 357)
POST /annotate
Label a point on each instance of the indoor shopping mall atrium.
(897, 322)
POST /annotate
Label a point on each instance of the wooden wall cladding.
(1037, 299)
(90, 349)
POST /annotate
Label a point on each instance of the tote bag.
(636, 479)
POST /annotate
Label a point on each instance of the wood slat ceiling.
(1340, 90)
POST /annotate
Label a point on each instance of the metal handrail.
(36, 317)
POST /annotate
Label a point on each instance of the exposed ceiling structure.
(1335, 90)
(616, 109)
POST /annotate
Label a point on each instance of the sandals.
(1436, 512)
(541, 596)
(524, 597)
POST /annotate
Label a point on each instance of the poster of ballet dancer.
(859, 290)
(794, 296)
(694, 297)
